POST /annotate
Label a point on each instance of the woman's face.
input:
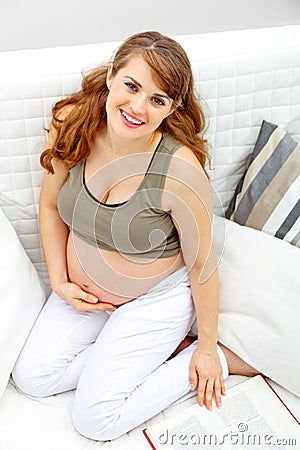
(136, 105)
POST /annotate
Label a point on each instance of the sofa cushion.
(259, 300)
(22, 297)
(268, 195)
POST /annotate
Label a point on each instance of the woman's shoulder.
(181, 152)
(185, 171)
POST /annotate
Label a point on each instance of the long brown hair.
(173, 73)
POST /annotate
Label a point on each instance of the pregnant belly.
(113, 277)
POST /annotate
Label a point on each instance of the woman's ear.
(109, 76)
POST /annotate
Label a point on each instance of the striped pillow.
(268, 195)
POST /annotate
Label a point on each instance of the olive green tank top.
(138, 226)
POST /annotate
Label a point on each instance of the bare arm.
(191, 205)
(54, 234)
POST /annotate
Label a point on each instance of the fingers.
(193, 378)
(209, 387)
(217, 391)
(201, 391)
(89, 298)
(83, 306)
(206, 373)
(91, 303)
(208, 393)
(84, 301)
(223, 389)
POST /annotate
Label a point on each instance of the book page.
(259, 419)
(248, 427)
(188, 435)
(193, 428)
(251, 417)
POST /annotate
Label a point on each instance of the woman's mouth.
(130, 121)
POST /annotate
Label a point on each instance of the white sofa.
(244, 77)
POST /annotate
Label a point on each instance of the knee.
(25, 380)
(31, 377)
(100, 421)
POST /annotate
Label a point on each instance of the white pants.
(118, 362)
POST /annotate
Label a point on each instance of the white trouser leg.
(57, 348)
(128, 377)
(118, 361)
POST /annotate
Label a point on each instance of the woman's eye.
(158, 101)
(131, 86)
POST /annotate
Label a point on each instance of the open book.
(252, 416)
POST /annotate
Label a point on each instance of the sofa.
(249, 82)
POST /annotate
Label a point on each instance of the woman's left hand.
(206, 375)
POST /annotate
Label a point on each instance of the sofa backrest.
(243, 76)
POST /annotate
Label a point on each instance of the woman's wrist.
(57, 283)
(207, 346)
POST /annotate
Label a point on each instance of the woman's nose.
(139, 104)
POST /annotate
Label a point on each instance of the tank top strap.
(158, 169)
(77, 171)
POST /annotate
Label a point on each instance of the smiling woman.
(138, 102)
(172, 76)
(125, 222)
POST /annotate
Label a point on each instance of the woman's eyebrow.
(140, 86)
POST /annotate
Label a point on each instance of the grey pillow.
(267, 197)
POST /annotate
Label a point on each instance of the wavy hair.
(87, 116)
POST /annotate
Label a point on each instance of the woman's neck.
(122, 147)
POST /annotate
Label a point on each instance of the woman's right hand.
(80, 300)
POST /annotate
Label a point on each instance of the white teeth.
(130, 119)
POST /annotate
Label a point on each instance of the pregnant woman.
(125, 223)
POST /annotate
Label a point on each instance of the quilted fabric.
(243, 77)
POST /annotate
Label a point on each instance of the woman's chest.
(115, 180)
